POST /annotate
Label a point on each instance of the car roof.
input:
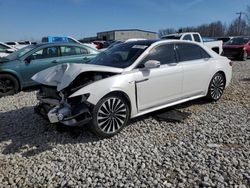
(59, 44)
(143, 42)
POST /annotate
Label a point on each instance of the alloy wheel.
(217, 87)
(112, 115)
(6, 85)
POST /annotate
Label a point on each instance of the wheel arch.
(15, 76)
(223, 74)
(122, 94)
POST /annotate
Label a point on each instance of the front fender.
(97, 90)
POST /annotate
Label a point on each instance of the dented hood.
(62, 75)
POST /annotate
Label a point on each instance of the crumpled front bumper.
(77, 115)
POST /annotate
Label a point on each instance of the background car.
(17, 45)
(5, 50)
(65, 39)
(129, 80)
(17, 69)
(237, 48)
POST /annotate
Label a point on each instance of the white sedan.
(5, 49)
(129, 80)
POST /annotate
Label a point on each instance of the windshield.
(120, 56)
(238, 41)
(19, 53)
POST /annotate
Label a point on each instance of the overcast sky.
(27, 19)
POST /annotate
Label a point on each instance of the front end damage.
(57, 107)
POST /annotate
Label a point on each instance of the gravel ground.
(211, 148)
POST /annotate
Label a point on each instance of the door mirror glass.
(29, 59)
(150, 64)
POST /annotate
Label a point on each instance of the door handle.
(144, 80)
(172, 64)
(55, 61)
(85, 58)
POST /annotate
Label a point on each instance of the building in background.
(122, 35)
(126, 34)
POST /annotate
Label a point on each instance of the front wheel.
(8, 85)
(216, 87)
(110, 116)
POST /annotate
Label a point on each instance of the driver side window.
(164, 53)
(49, 52)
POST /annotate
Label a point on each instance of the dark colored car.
(17, 68)
(237, 48)
(224, 39)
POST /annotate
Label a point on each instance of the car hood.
(62, 75)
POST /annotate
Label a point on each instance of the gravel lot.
(211, 148)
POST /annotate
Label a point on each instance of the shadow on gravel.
(179, 109)
(22, 131)
(245, 80)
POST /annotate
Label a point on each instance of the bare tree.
(248, 19)
(237, 27)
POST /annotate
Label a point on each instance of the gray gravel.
(211, 148)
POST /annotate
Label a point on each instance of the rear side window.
(164, 53)
(72, 50)
(187, 37)
(197, 38)
(44, 53)
(188, 52)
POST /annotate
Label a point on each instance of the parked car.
(65, 39)
(99, 44)
(17, 68)
(129, 80)
(17, 45)
(237, 47)
(111, 45)
(196, 37)
(224, 39)
(5, 50)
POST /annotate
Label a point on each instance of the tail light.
(231, 63)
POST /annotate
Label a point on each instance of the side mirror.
(9, 51)
(29, 59)
(150, 64)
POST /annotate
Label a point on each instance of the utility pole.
(239, 23)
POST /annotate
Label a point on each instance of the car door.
(195, 63)
(39, 60)
(158, 86)
(75, 54)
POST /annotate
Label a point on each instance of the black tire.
(244, 55)
(111, 112)
(216, 87)
(8, 85)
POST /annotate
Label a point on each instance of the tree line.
(239, 26)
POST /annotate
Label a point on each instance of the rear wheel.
(216, 87)
(110, 116)
(8, 85)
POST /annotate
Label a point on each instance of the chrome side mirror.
(151, 64)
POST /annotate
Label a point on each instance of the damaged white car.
(130, 80)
